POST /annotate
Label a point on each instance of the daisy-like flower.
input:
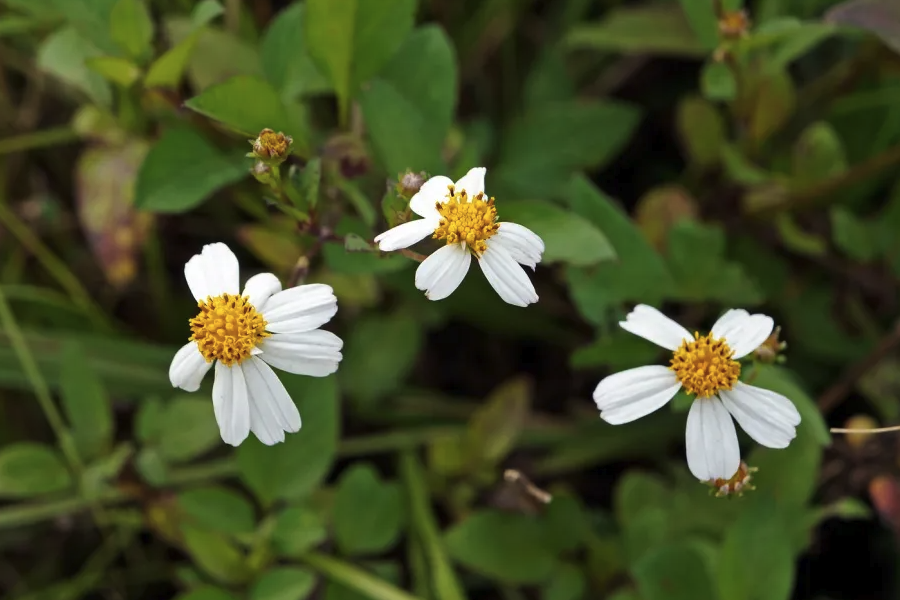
(465, 218)
(243, 334)
(706, 367)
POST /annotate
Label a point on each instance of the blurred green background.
(679, 154)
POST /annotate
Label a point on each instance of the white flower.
(463, 216)
(244, 334)
(707, 368)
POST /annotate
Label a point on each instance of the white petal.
(441, 273)
(272, 412)
(472, 182)
(507, 277)
(212, 272)
(743, 332)
(523, 244)
(188, 368)
(302, 308)
(231, 404)
(635, 393)
(314, 353)
(656, 327)
(260, 288)
(712, 444)
(767, 417)
(405, 235)
(432, 191)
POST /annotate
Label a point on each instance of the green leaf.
(63, 55)
(568, 237)
(283, 583)
(182, 170)
(855, 237)
(702, 131)
(407, 109)
(527, 169)
(206, 592)
(566, 523)
(217, 56)
(350, 40)
(381, 351)
(215, 554)
(657, 29)
(757, 543)
(818, 154)
(774, 101)
(285, 59)
(296, 530)
(167, 70)
(501, 545)
(120, 71)
(86, 403)
(717, 82)
(367, 512)
(496, 424)
(218, 509)
(568, 583)
(310, 178)
(272, 471)
(131, 28)
(188, 428)
(90, 18)
(248, 105)
(674, 572)
(28, 469)
(205, 12)
(702, 17)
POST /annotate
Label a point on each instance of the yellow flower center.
(704, 366)
(464, 219)
(227, 328)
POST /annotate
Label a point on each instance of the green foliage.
(367, 512)
(29, 469)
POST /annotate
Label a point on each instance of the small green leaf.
(28, 469)
(367, 512)
(283, 583)
(182, 170)
(501, 545)
(702, 131)
(310, 178)
(702, 17)
(774, 101)
(205, 12)
(717, 82)
(568, 583)
(272, 471)
(296, 530)
(217, 56)
(87, 405)
(656, 29)
(248, 105)
(285, 59)
(63, 55)
(855, 237)
(350, 40)
(188, 428)
(818, 154)
(167, 70)
(218, 509)
(354, 243)
(120, 71)
(568, 237)
(215, 554)
(131, 28)
(674, 572)
(566, 524)
(496, 424)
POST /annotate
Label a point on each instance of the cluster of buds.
(770, 351)
(735, 486)
(733, 25)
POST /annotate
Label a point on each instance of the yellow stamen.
(704, 366)
(227, 328)
(464, 219)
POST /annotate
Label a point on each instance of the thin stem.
(413, 255)
(876, 430)
(27, 514)
(38, 139)
(354, 578)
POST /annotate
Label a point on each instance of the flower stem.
(354, 578)
(876, 430)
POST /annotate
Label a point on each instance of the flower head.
(466, 221)
(272, 147)
(244, 335)
(706, 367)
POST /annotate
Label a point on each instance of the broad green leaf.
(350, 40)
(702, 131)
(87, 405)
(502, 545)
(381, 350)
(218, 509)
(702, 18)
(167, 70)
(188, 428)
(566, 523)
(407, 108)
(206, 592)
(581, 134)
(285, 59)
(717, 82)
(29, 469)
(674, 572)
(659, 29)
(215, 554)
(120, 71)
(818, 154)
(248, 105)
(63, 55)
(131, 28)
(205, 12)
(548, 82)
(273, 472)
(568, 237)
(217, 56)
(283, 583)
(367, 512)
(757, 543)
(182, 170)
(91, 19)
(856, 238)
(774, 100)
(567, 583)
(496, 424)
(296, 530)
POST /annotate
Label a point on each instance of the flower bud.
(272, 148)
(263, 173)
(736, 485)
(768, 352)
(734, 24)
(409, 183)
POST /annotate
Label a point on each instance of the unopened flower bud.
(736, 485)
(769, 350)
(272, 148)
(263, 173)
(409, 183)
(734, 24)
